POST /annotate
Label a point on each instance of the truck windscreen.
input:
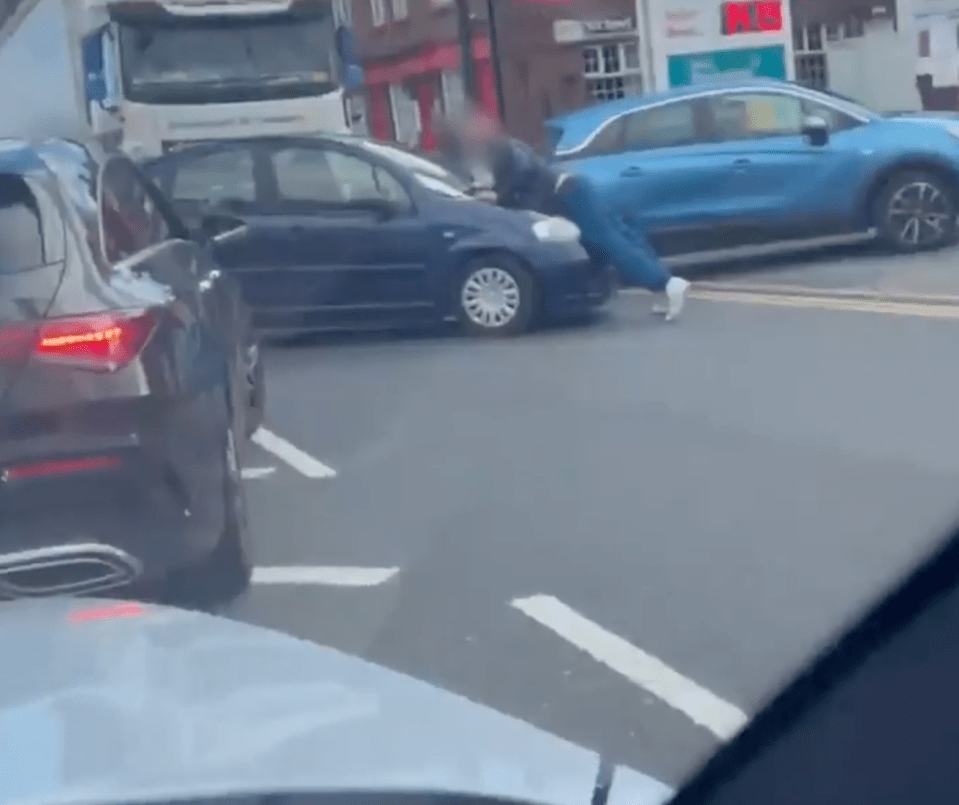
(222, 60)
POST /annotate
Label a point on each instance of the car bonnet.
(110, 703)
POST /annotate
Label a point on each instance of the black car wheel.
(225, 573)
(916, 211)
(495, 297)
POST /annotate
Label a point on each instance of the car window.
(22, 244)
(740, 116)
(662, 126)
(835, 119)
(326, 176)
(131, 221)
(608, 139)
(216, 177)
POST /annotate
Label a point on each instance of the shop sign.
(683, 23)
(756, 16)
(566, 31)
(721, 66)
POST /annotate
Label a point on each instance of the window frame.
(173, 226)
(803, 100)
(698, 136)
(279, 203)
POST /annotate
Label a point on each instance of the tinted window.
(762, 114)
(21, 236)
(131, 221)
(215, 177)
(660, 127)
(78, 174)
(609, 139)
(836, 120)
(331, 177)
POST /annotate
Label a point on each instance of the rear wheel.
(916, 211)
(495, 297)
(225, 573)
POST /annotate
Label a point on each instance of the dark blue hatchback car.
(341, 233)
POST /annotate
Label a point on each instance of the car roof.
(19, 156)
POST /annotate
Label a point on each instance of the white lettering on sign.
(607, 26)
(682, 23)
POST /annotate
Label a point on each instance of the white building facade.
(860, 49)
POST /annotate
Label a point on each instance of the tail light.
(98, 342)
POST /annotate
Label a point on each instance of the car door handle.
(742, 161)
(631, 171)
(210, 279)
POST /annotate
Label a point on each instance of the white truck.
(151, 76)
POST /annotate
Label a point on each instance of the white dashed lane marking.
(290, 454)
(326, 575)
(701, 706)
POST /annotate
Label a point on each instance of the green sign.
(693, 69)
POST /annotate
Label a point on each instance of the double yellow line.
(929, 307)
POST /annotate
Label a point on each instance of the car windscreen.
(421, 166)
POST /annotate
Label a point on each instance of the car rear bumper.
(101, 513)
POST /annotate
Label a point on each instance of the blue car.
(341, 233)
(765, 162)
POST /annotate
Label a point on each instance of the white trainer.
(676, 290)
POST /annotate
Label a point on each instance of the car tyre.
(916, 211)
(495, 297)
(226, 572)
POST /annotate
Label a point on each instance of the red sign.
(756, 16)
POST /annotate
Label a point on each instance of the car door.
(220, 184)
(781, 184)
(665, 175)
(349, 237)
(150, 255)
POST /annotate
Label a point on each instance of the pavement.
(629, 533)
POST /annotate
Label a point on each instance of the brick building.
(552, 58)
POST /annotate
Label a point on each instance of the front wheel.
(495, 297)
(916, 211)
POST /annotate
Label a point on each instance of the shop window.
(406, 116)
(378, 12)
(401, 9)
(612, 70)
(924, 44)
(811, 70)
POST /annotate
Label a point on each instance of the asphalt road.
(722, 494)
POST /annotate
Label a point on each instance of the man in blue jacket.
(523, 180)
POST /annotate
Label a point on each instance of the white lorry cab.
(155, 75)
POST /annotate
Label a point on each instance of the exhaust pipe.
(66, 569)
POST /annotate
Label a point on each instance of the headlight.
(555, 230)
(953, 130)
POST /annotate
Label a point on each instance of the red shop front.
(421, 78)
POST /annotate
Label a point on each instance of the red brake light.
(99, 342)
(127, 609)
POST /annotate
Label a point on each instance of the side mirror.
(816, 130)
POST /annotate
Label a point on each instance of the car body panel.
(756, 191)
(154, 703)
(152, 429)
(319, 266)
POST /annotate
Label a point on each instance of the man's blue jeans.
(607, 238)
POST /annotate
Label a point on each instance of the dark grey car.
(123, 384)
